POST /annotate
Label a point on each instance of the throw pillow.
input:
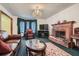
(5, 35)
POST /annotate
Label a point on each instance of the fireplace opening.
(60, 34)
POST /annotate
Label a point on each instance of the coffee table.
(36, 46)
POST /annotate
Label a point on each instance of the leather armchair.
(29, 34)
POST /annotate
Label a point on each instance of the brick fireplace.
(62, 32)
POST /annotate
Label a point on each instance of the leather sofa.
(13, 42)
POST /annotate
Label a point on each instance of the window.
(6, 22)
(23, 25)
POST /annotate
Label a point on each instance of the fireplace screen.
(60, 34)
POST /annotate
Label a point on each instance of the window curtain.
(33, 27)
(23, 25)
(27, 25)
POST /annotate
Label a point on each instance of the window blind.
(5, 23)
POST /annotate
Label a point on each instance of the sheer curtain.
(22, 27)
(27, 25)
(33, 26)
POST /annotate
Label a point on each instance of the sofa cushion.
(13, 45)
(4, 48)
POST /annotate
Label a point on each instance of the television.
(43, 26)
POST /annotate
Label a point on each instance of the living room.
(53, 27)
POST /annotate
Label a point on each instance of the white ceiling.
(24, 10)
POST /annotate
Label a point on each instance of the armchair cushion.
(4, 48)
(30, 34)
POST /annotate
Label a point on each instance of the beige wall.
(15, 31)
(40, 21)
(69, 14)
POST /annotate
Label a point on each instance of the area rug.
(53, 50)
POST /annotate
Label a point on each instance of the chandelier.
(37, 12)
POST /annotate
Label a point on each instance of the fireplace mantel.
(66, 27)
(64, 23)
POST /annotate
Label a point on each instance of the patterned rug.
(53, 50)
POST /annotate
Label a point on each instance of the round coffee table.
(36, 46)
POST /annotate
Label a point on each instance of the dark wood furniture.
(43, 26)
(76, 38)
(76, 31)
(43, 33)
(36, 47)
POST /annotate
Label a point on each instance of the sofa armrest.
(13, 47)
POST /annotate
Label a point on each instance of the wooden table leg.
(43, 53)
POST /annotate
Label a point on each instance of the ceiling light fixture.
(37, 12)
